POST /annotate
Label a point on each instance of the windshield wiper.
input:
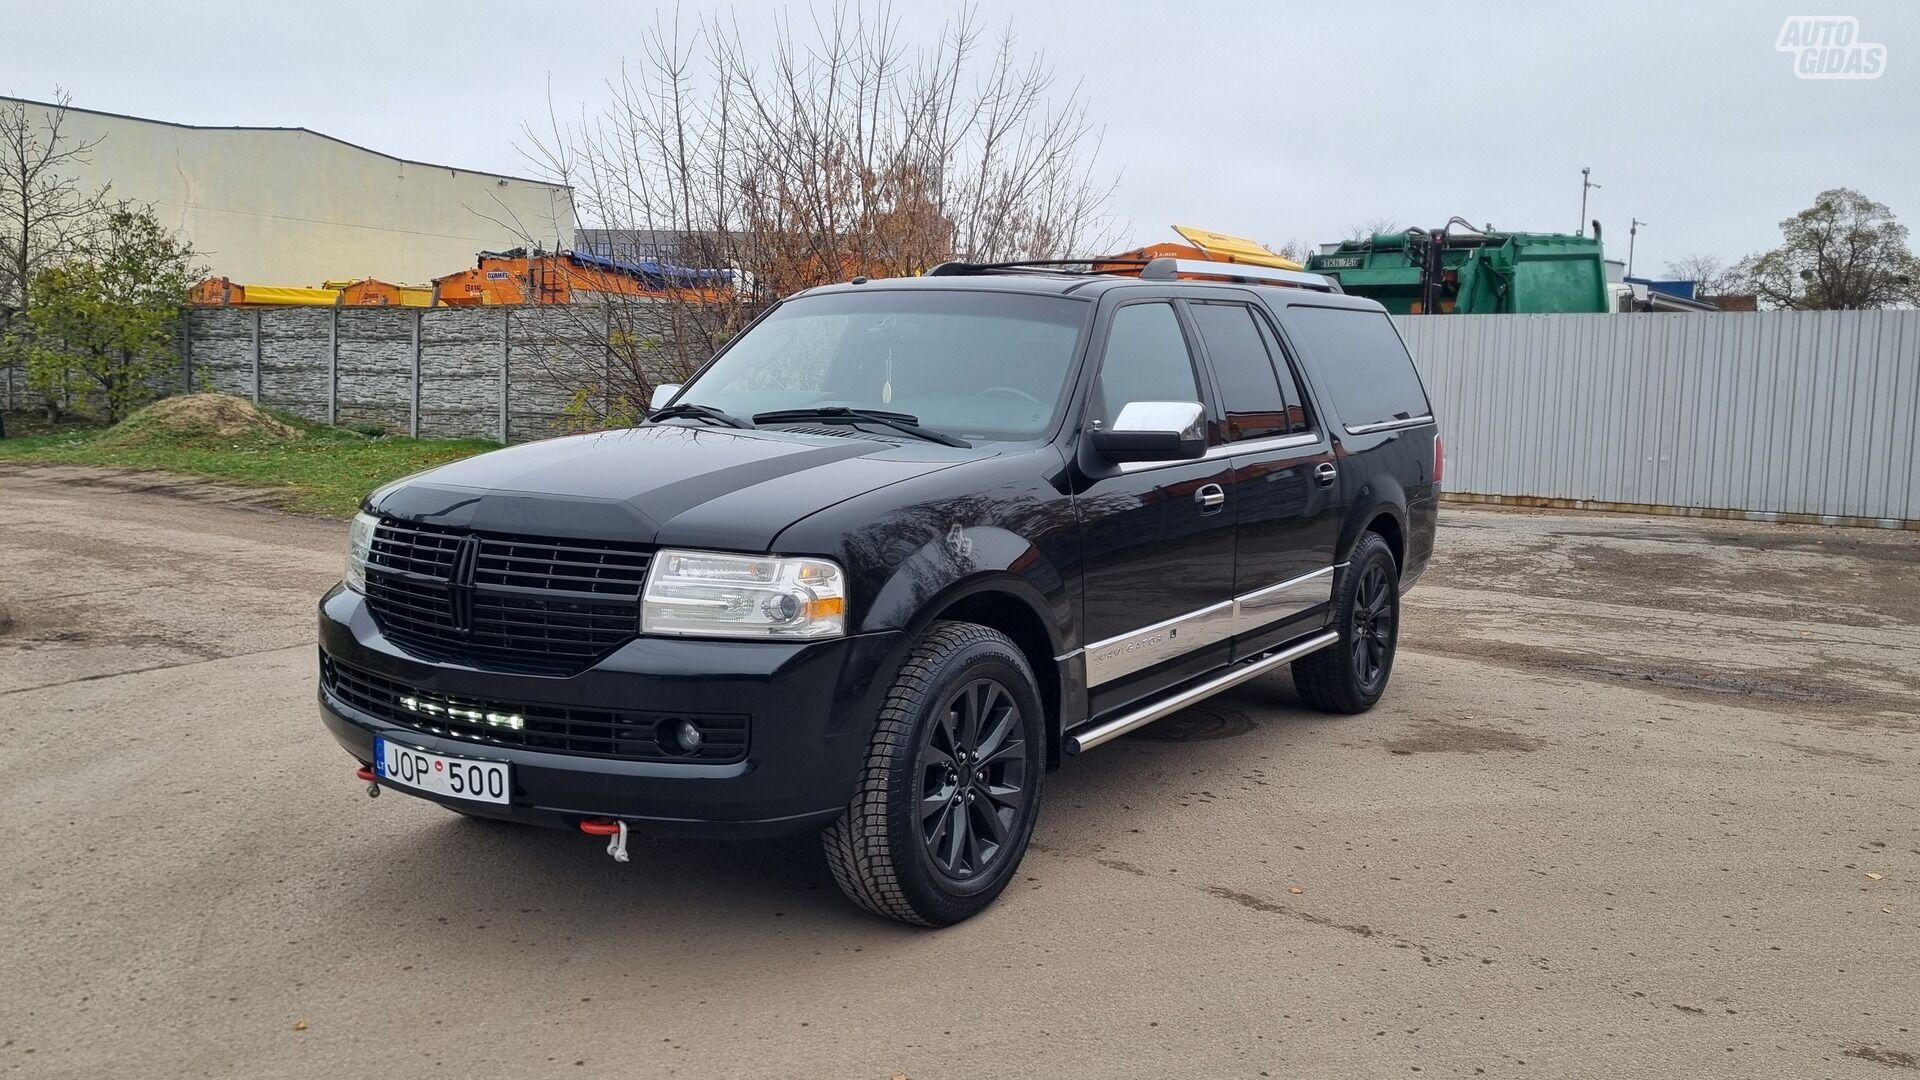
(699, 412)
(898, 421)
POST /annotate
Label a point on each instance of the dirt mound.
(219, 416)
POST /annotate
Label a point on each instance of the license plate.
(459, 778)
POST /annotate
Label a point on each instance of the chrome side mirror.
(1154, 431)
(661, 395)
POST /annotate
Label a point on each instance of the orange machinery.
(366, 292)
(372, 292)
(220, 292)
(515, 277)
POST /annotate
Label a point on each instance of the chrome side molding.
(1137, 650)
(1389, 425)
(1080, 741)
(1256, 609)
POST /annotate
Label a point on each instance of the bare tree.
(1711, 276)
(45, 216)
(1297, 250)
(1373, 226)
(845, 151)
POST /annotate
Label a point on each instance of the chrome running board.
(1077, 742)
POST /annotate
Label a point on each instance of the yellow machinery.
(1206, 246)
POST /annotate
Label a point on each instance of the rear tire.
(951, 785)
(1350, 675)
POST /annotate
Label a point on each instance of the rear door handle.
(1210, 497)
(1325, 473)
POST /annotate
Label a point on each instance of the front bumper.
(812, 707)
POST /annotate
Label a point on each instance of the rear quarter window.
(1359, 361)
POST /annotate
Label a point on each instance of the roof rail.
(1166, 269)
(1160, 269)
(1055, 266)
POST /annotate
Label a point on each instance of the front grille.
(600, 567)
(631, 735)
(532, 604)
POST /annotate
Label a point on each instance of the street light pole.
(1586, 181)
(1633, 231)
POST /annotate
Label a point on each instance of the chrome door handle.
(1210, 497)
(1325, 473)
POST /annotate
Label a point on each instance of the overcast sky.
(1274, 120)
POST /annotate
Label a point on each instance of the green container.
(1480, 273)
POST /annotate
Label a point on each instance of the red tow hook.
(614, 828)
(373, 782)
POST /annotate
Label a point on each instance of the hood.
(669, 484)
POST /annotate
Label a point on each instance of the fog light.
(686, 736)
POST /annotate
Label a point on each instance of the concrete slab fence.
(500, 373)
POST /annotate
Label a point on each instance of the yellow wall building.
(288, 206)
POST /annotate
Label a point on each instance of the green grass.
(325, 471)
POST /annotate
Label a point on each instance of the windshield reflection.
(979, 366)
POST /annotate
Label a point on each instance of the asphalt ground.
(1643, 800)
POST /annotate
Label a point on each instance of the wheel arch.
(1393, 532)
(1382, 510)
(997, 578)
(1004, 602)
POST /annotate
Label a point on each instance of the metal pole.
(256, 356)
(413, 414)
(506, 334)
(1586, 181)
(333, 366)
(1633, 234)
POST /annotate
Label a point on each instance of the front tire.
(951, 785)
(1350, 675)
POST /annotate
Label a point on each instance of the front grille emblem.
(460, 584)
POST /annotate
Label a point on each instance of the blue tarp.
(1681, 289)
(657, 273)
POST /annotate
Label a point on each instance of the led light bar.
(471, 716)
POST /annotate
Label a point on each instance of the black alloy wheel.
(1371, 638)
(973, 779)
(1350, 675)
(949, 792)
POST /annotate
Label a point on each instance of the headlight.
(707, 594)
(359, 546)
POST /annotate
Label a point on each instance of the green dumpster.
(1451, 271)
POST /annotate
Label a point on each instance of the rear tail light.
(1439, 458)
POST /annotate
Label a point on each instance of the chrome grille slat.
(542, 605)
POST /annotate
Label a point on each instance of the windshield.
(979, 365)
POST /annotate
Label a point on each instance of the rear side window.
(1298, 418)
(1243, 364)
(1359, 361)
(1146, 360)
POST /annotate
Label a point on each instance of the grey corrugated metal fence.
(1801, 415)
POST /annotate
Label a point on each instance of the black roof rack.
(1160, 269)
(1051, 266)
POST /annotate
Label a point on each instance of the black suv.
(888, 557)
